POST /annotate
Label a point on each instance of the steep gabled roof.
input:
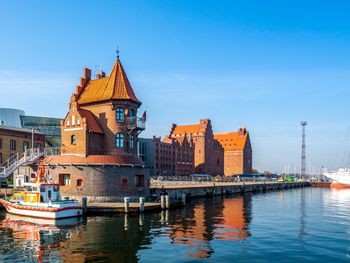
(92, 124)
(232, 140)
(115, 86)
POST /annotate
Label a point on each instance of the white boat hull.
(43, 212)
(340, 178)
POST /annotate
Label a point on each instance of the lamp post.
(32, 138)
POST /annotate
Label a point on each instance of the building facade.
(216, 154)
(207, 154)
(50, 127)
(15, 141)
(167, 157)
(238, 154)
(99, 140)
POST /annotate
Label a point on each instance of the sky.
(265, 65)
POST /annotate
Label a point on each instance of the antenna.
(303, 153)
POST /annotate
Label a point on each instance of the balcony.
(136, 123)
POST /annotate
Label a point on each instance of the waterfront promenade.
(191, 189)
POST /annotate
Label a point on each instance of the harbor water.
(297, 225)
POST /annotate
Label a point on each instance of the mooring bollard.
(142, 203)
(126, 204)
(183, 198)
(84, 204)
(162, 201)
(167, 202)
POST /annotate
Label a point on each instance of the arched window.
(132, 113)
(131, 141)
(72, 139)
(119, 140)
(119, 114)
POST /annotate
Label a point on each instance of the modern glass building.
(50, 127)
(11, 117)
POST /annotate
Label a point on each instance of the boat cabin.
(35, 193)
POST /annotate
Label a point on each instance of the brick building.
(216, 154)
(167, 157)
(208, 154)
(99, 140)
(237, 151)
(15, 140)
(202, 136)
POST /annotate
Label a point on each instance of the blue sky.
(265, 65)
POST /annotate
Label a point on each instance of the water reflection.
(217, 218)
(121, 238)
(33, 238)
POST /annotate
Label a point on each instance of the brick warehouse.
(99, 140)
(217, 154)
(167, 157)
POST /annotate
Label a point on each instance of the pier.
(176, 189)
(174, 194)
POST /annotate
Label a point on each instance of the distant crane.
(303, 153)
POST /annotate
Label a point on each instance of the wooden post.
(142, 203)
(126, 204)
(84, 204)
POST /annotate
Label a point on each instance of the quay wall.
(177, 190)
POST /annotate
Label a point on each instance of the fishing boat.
(41, 200)
(339, 178)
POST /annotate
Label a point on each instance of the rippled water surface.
(302, 225)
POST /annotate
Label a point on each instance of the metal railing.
(136, 123)
(52, 151)
(188, 180)
(15, 161)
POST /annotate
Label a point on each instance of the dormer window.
(119, 114)
(73, 120)
(78, 122)
(68, 123)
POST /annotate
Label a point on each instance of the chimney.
(86, 78)
(241, 131)
(100, 74)
(87, 74)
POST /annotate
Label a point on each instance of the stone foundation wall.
(97, 182)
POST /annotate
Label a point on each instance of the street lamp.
(36, 129)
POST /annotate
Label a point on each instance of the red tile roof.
(115, 86)
(92, 124)
(193, 128)
(92, 159)
(232, 140)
